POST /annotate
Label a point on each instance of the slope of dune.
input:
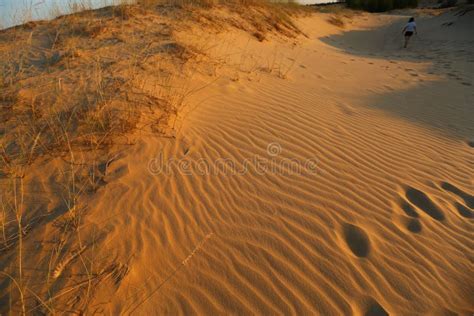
(327, 174)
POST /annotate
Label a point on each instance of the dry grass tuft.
(336, 20)
(339, 14)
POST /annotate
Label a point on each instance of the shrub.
(381, 5)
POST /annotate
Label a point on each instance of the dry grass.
(336, 20)
(83, 70)
(71, 89)
(339, 14)
(80, 74)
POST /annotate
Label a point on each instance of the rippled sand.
(330, 174)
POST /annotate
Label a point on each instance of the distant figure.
(408, 30)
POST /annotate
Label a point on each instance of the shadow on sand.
(446, 46)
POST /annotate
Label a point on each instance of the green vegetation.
(381, 5)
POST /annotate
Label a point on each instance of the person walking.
(409, 30)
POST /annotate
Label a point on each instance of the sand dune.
(329, 174)
(372, 228)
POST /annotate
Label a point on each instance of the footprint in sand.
(468, 199)
(424, 203)
(412, 72)
(375, 309)
(463, 210)
(412, 223)
(357, 240)
(409, 210)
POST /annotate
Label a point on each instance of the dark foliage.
(381, 5)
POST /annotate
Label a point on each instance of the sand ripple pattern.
(383, 226)
(362, 234)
